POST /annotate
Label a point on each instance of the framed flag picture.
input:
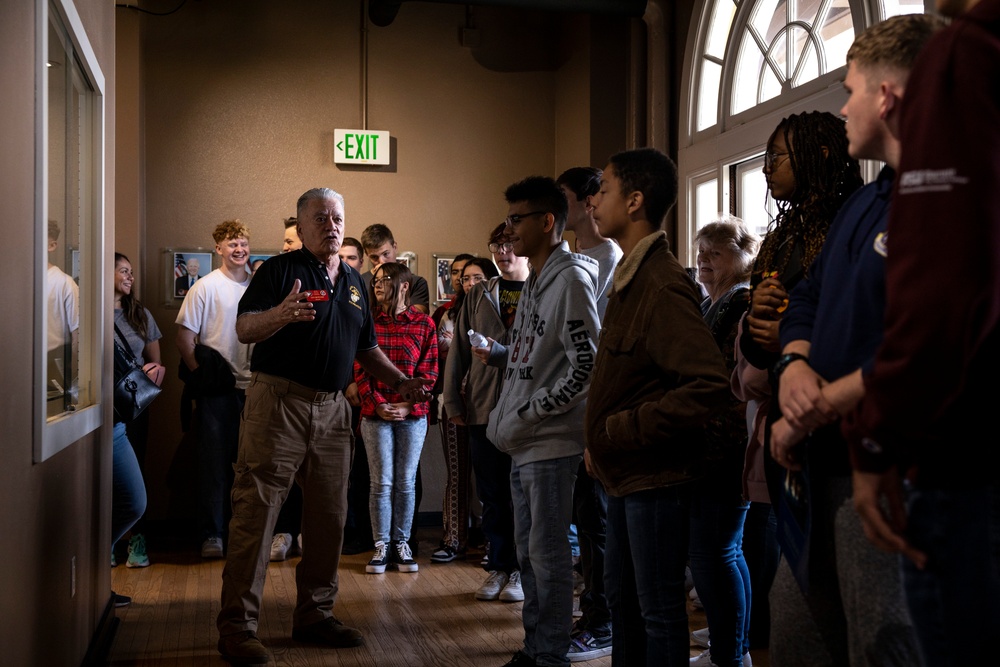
(184, 267)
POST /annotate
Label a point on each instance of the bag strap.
(124, 347)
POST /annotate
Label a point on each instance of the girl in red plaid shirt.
(394, 429)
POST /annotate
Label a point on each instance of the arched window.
(750, 63)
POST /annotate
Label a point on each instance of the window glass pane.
(768, 18)
(718, 29)
(62, 290)
(837, 33)
(708, 94)
(898, 7)
(706, 202)
(752, 203)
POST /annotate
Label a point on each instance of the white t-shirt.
(209, 310)
(62, 296)
(607, 254)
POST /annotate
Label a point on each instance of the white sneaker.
(404, 558)
(695, 600)
(281, 543)
(705, 660)
(490, 590)
(700, 638)
(299, 540)
(212, 548)
(512, 591)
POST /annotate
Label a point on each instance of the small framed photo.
(184, 267)
(442, 277)
(408, 259)
(258, 257)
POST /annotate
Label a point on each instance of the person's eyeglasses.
(515, 219)
(466, 280)
(500, 248)
(771, 159)
(382, 281)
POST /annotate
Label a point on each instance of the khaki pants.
(288, 433)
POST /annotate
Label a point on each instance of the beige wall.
(57, 510)
(237, 103)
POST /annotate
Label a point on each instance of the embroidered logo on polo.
(355, 297)
(881, 244)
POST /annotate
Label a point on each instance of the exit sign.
(360, 147)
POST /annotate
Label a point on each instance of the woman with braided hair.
(809, 175)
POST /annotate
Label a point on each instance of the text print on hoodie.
(548, 365)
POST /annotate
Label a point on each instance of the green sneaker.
(137, 552)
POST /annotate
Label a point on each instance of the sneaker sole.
(408, 568)
(485, 597)
(144, 563)
(511, 598)
(446, 559)
(375, 569)
(589, 655)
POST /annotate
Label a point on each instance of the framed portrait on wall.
(442, 277)
(258, 257)
(184, 267)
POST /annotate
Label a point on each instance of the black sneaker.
(584, 646)
(121, 600)
(377, 564)
(520, 659)
(404, 558)
(444, 554)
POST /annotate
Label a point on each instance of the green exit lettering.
(361, 146)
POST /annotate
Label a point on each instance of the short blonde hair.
(230, 229)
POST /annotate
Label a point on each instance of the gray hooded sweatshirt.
(547, 366)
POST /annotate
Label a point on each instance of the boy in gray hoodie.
(538, 419)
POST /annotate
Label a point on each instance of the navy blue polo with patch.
(318, 354)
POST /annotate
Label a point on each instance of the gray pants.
(854, 613)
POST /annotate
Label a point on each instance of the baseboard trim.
(104, 636)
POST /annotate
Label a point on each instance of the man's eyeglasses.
(500, 248)
(771, 159)
(466, 280)
(515, 219)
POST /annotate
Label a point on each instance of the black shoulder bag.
(134, 391)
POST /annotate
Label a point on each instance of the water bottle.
(477, 339)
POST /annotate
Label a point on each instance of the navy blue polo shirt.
(318, 354)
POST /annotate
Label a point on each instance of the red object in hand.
(155, 372)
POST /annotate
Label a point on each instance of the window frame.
(741, 136)
(52, 436)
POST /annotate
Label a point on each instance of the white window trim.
(741, 136)
(51, 437)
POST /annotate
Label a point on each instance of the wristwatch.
(785, 359)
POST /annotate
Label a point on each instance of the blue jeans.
(393, 455)
(218, 442)
(646, 554)
(492, 470)
(958, 593)
(542, 493)
(761, 552)
(128, 492)
(590, 505)
(720, 571)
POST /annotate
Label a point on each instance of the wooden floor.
(422, 619)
